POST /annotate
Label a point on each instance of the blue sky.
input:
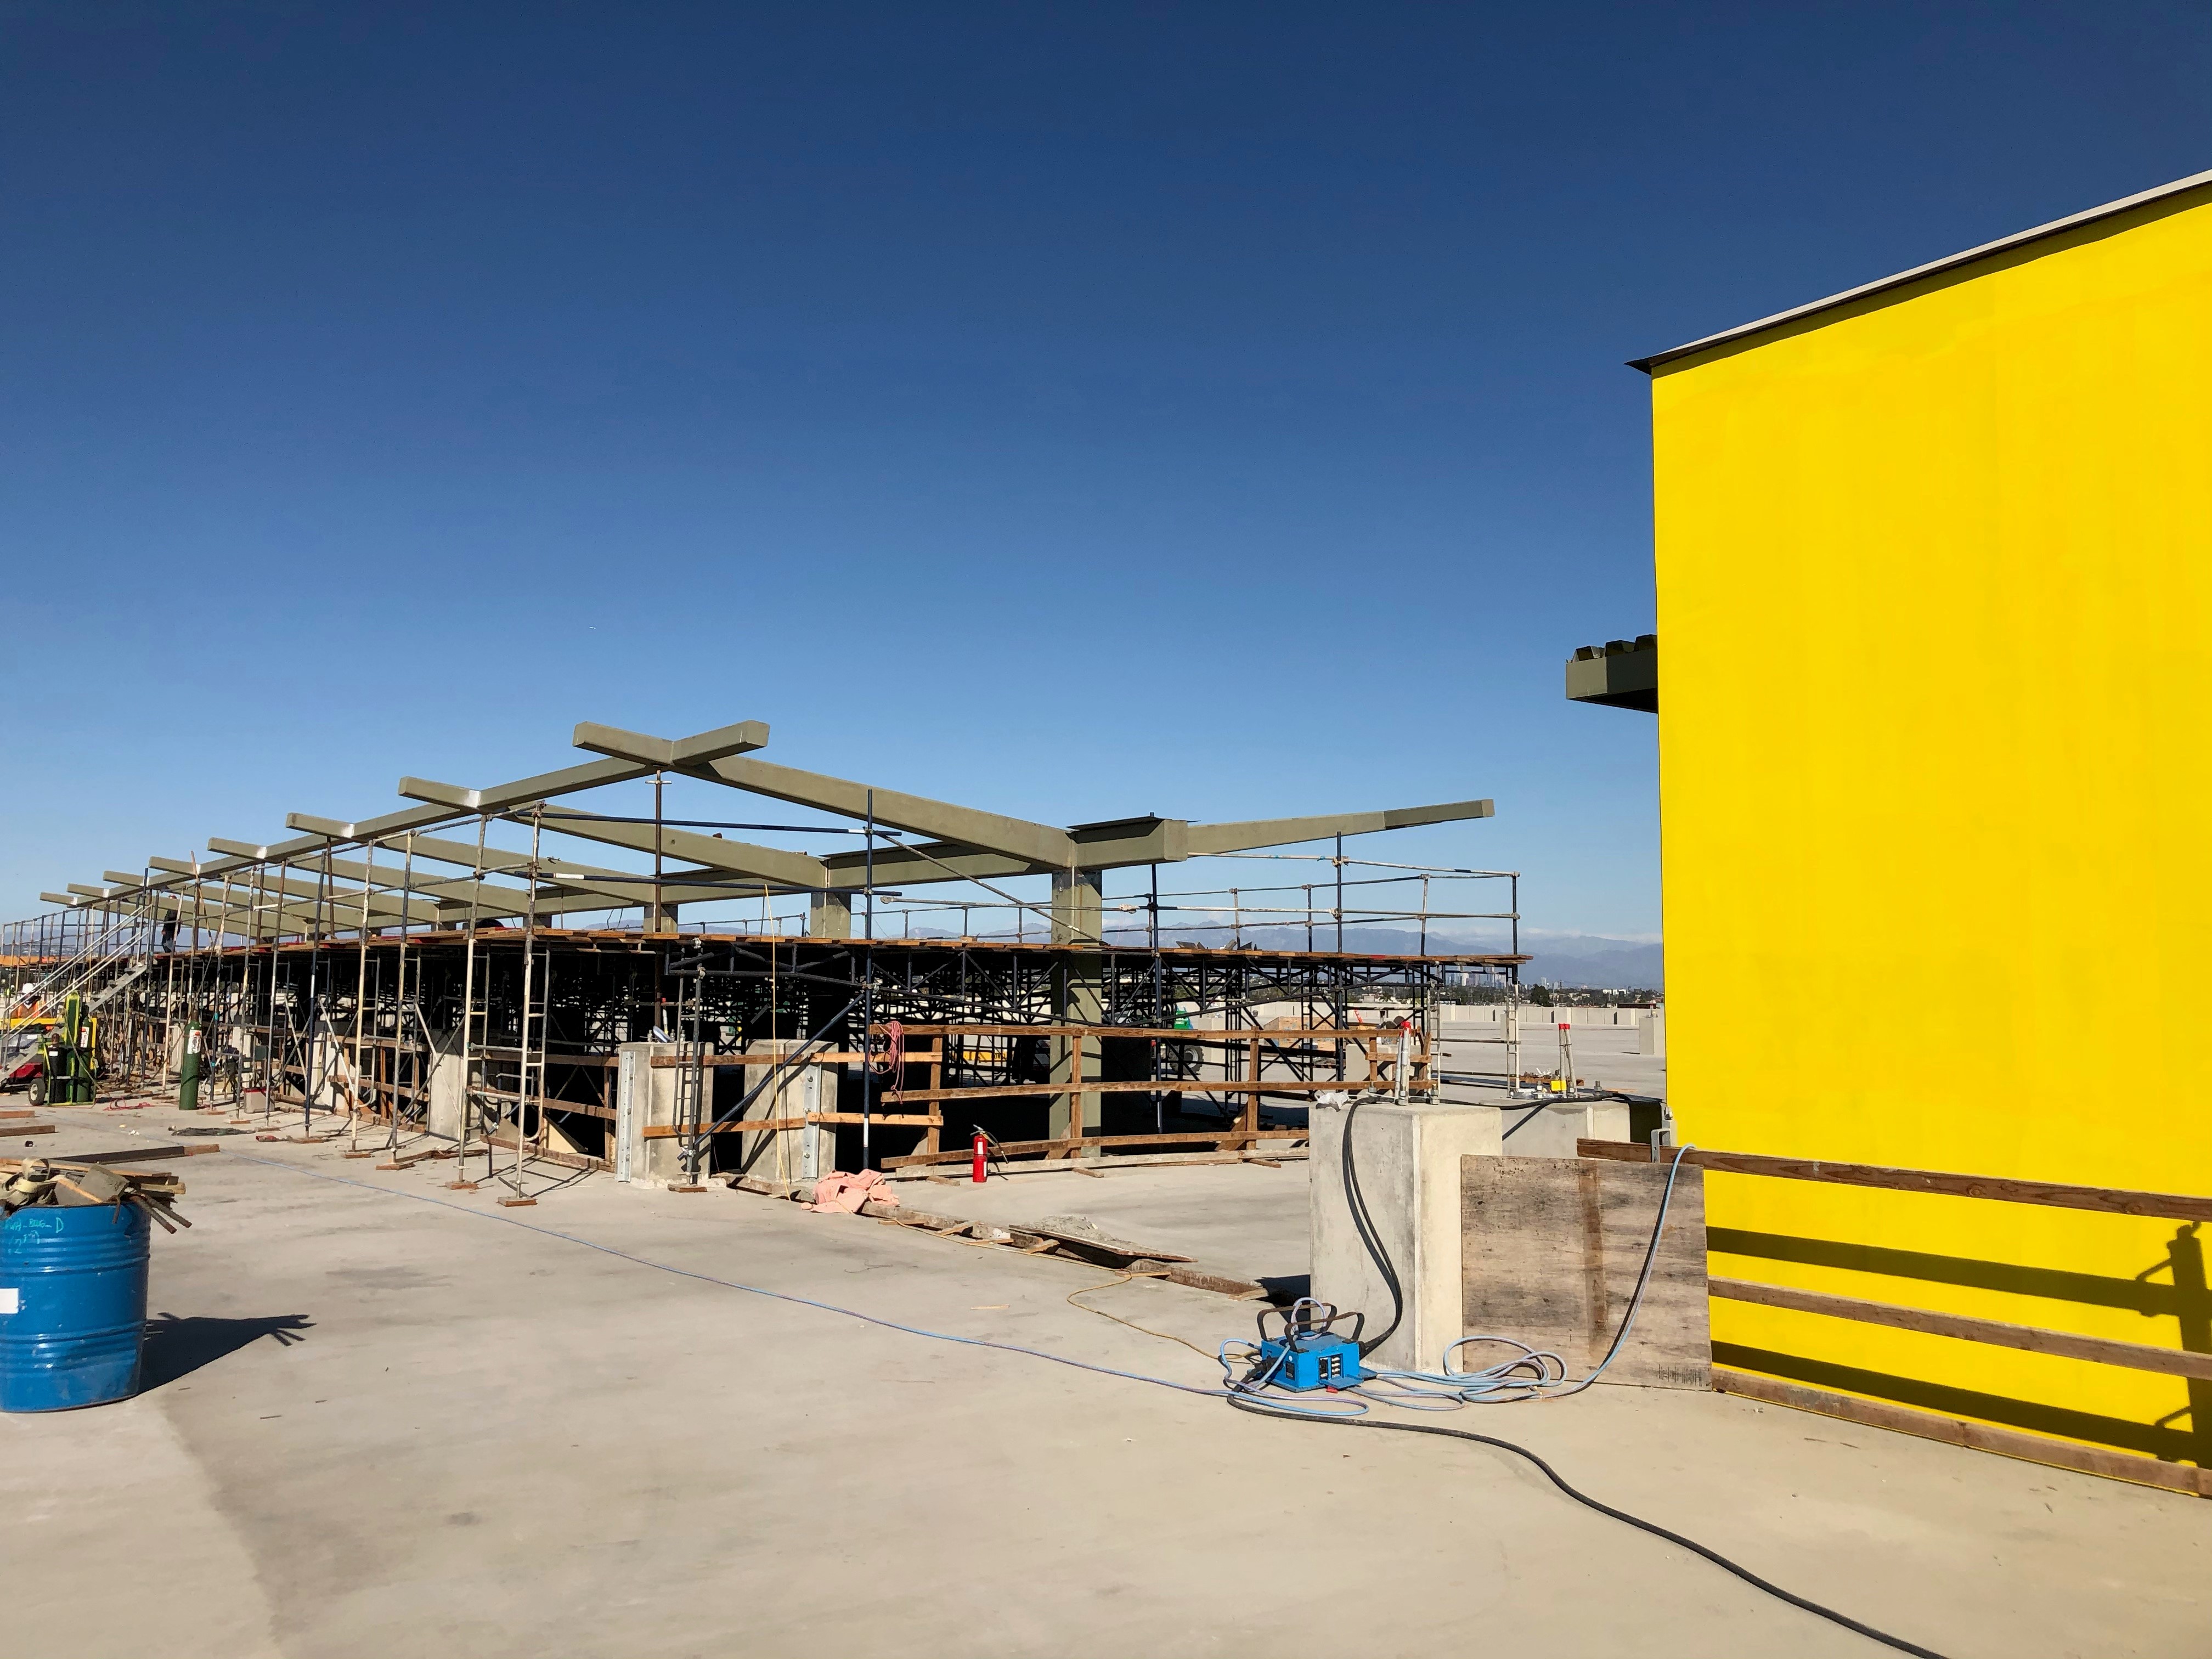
(1215, 410)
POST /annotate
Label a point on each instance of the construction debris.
(28, 1182)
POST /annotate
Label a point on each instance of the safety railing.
(100, 963)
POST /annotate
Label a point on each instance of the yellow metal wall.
(1934, 578)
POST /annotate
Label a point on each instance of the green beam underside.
(993, 832)
(789, 872)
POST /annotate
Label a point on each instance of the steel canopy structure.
(359, 962)
(965, 844)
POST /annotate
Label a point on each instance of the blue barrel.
(72, 1306)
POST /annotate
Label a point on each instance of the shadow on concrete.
(177, 1347)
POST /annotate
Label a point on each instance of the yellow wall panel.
(1934, 578)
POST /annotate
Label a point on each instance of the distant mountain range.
(1591, 959)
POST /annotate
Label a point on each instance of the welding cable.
(1364, 1224)
(1255, 1381)
(1237, 1397)
(1643, 1281)
(1269, 1408)
(1534, 1373)
(1142, 1330)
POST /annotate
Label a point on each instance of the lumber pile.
(27, 1183)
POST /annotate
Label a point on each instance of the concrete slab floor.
(387, 1426)
(1245, 1220)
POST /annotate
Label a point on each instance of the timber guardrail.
(2030, 1339)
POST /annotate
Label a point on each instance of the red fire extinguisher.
(976, 1172)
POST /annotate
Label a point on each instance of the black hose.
(1244, 1404)
(1365, 1225)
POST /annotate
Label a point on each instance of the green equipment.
(69, 1056)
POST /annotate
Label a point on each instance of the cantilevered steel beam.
(210, 903)
(990, 832)
(176, 905)
(341, 901)
(451, 897)
(1240, 837)
(559, 877)
(725, 740)
(791, 871)
(1137, 840)
(664, 755)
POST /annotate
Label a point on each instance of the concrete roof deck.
(375, 1423)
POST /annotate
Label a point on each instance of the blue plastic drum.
(72, 1306)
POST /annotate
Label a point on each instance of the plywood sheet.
(1550, 1250)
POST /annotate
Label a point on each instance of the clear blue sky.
(1216, 410)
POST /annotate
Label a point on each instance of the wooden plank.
(746, 1126)
(582, 1108)
(895, 1120)
(1213, 1036)
(26, 1129)
(1198, 1278)
(1275, 1157)
(932, 1138)
(158, 1181)
(2111, 1200)
(1963, 1431)
(1023, 1148)
(1550, 1249)
(1277, 1085)
(828, 1057)
(407, 1160)
(551, 1155)
(2030, 1339)
(144, 1154)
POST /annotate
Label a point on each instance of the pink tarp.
(847, 1193)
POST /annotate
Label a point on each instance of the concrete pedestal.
(448, 1092)
(1551, 1131)
(1406, 1160)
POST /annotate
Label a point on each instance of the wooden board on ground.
(143, 1154)
(1551, 1247)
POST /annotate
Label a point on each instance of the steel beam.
(664, 755)
(1251, 833)
(451, 897)
(260, 876)
(175, 904)
(787, 872)
(725, 740)
(571, 878)
(990, 832)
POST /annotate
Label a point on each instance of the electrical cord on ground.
(1237, 1397)
(1123, 1279)
(1534, 1373)
(732, 1285)
(1268, 1408)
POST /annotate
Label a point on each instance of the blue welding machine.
(1305, 1353)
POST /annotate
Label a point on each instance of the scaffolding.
(438, 994)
